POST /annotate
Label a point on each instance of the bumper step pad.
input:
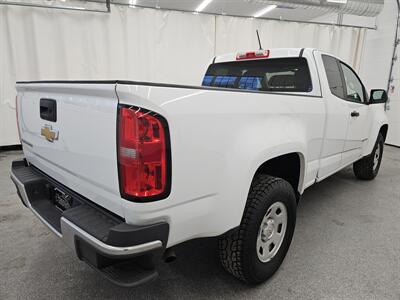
(125, 254)
(122, 275)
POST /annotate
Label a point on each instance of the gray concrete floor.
(346, 245)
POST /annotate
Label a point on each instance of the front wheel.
(254, 251)
(367, 168)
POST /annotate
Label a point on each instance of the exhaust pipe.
(169, 255)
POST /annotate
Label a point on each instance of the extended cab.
(123, 171)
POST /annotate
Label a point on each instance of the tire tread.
(363, 169)
(231, 244)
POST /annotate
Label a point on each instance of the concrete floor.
(346, 245)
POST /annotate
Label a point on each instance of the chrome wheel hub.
(268, 231)
(271, 232)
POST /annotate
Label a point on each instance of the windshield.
(276, 75)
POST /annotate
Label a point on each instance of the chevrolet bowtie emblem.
(48, 132)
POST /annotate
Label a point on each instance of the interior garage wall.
(376, 61)
(377, 57)
(138, 44)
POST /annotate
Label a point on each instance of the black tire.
(238, 247)
(364, 169)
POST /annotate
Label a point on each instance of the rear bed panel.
(84, 156)
(219, 138)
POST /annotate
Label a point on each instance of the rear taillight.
(143, 155)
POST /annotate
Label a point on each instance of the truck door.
(357, 113)
(336, 123)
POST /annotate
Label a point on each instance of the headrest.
(280, 81)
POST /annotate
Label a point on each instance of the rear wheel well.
(286, 167)
(384, 131)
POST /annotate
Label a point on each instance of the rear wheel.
(368, 167)
(254, 251)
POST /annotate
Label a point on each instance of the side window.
(354, 90)
(334, 77)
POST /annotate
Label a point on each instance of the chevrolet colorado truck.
(124, 171)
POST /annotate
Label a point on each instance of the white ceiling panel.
(232, 7)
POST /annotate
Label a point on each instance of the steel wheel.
(377, 156)
(272, 232)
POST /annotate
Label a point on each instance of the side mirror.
(378, 96)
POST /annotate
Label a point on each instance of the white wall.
(378, 48)
(332, 18)
(376, 61)
(137, 44)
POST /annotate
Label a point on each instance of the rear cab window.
(290, 74)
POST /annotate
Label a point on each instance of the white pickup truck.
(123, 171)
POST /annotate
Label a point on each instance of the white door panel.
(358, 114)
(357, 133)
(336, 117)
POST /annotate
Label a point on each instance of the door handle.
(355, 114)
(48, 109)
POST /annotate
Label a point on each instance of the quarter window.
(334, 78)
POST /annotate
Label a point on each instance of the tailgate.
(68, 131)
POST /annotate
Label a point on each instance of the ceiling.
(231, 7)
(242, 8)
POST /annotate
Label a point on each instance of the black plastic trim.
(127, 82)
(124, 235)
(48, 109)
(69, 81)
(167, 190)
(301, 52)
